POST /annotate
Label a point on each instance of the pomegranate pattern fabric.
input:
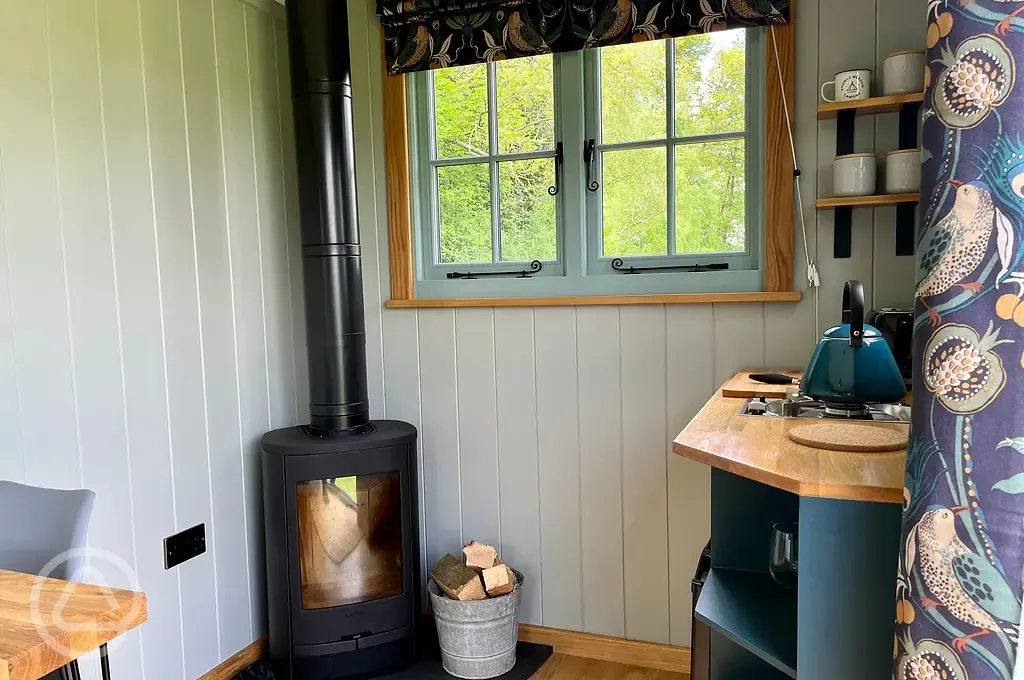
(960, 570)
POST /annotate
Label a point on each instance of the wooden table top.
(45, 623)
(757, 448)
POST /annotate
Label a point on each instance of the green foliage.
(710, 177)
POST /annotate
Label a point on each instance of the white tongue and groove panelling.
(148, 271)
(547, 430)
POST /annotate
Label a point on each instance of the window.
(634, 169)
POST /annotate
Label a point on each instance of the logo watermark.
(52, 605)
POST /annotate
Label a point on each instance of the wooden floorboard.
(562, 667)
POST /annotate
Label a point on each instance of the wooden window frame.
(778, 208)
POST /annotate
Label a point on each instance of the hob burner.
(802, 407)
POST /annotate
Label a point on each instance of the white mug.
(903, 72)
(849, 85)
(854, 174)
(903, 171)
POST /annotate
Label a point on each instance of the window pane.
(635, 202)
(460, 111)
(710, 83)
(633, 92)
(710, 191)
(465, 205)
(526, 109)
(527, 210)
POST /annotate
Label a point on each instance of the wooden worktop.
(757, 447)
(45, 623)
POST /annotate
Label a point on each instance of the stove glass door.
(350, 539)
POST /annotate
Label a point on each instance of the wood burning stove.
(342, 550)
(340, 508)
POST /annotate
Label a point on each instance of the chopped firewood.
(480, 556)
(499, 580)
(458, 581)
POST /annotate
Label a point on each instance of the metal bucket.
(477, 638)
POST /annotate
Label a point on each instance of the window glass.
(460, 109)
(464, 193)
(635, 219)
(527, 210)
(526, 107)
(633, 92)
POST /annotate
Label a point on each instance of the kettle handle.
(853, 311)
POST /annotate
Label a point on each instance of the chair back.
(38, 525)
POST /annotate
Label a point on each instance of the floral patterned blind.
(426, 34)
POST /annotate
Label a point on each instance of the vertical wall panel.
(266, 116)
(644, 473)
(558, 454)
(12, 463)
(689, 375)
(35, 250)
(440, 434)
(367, 105)
(145, 389)
(789, 335)
(600, 423)
(402, 396)
(898, 26)
(179, 297)
(848, 29)
(738, 339)
(92, 296)
(291, 199)
(518, 465)
(227, 534)
(478, 423)
(246, 274)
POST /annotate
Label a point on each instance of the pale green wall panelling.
(585, 365)
(147, 234)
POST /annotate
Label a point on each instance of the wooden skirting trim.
(603, 648)
(239, 661)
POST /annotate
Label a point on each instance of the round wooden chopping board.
(845, 436)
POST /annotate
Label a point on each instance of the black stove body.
(340, 495)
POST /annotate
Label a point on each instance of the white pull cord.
(813, 280)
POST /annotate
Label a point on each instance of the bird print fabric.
(959, 580)
(421, 34)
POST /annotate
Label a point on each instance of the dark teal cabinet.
(838, 624)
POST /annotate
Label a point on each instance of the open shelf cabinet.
(837, 624)
(754, 612)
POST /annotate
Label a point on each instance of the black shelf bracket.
(842, 241)
(906, 214)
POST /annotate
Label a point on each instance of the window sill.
(595, 300)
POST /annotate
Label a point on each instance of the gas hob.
(802, 407)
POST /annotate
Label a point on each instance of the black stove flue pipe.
(335, 328)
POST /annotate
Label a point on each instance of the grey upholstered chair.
(38, 525)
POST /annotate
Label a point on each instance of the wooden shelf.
(867, 201)
(754, 612)
(868, 107)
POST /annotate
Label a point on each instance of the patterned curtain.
(426, 34)
(959, 580)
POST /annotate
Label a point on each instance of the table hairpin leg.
(70, 671)
(104, 662)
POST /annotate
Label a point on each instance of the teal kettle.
(852, 363)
